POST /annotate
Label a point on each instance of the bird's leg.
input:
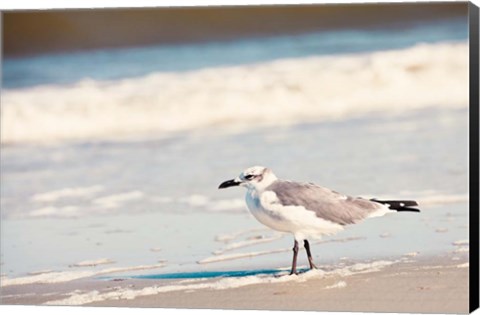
(309, 254)
(294, 262)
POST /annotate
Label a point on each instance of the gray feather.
(327, 204)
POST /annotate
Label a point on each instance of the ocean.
(113, 156)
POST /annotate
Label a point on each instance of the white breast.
(267, 209)
(266, 217)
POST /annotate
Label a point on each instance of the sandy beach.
(432, 285)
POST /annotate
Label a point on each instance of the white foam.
(65, 276)
(226, 257)
(60, 212)
(462, 249)
(220, 256)
(341, 240)
(134, 268)
(337, 285)
(272, 93)
(114, 201)
(227, 238)
(67, 193)
(464, 265)
(220, 284)
(247, 243)
(93, 263)
(411, 254)
(461, 242)
(231, 236)
(162, 199)
(39, 272)
(195, 200)
(52, 277)
(364, 267)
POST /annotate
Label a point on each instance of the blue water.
(113, 64)
(213, 274)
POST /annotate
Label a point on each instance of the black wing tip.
(408, 210)
(399, 205)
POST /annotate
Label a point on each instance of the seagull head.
(255, 177)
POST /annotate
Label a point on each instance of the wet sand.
(433, 285)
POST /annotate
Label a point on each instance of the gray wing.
(327, 204)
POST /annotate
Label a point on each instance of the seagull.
(305, 209)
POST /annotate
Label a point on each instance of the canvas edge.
(474, 154)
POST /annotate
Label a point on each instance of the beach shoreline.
(402, 285)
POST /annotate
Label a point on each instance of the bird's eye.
(249, 176)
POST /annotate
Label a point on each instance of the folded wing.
(327, 204)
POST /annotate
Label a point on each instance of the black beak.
(228, 183)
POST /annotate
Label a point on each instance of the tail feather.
(399, 205)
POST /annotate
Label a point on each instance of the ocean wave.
(242, 97)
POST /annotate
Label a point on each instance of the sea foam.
(220, 284)
(65, 276)
(280, 92)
